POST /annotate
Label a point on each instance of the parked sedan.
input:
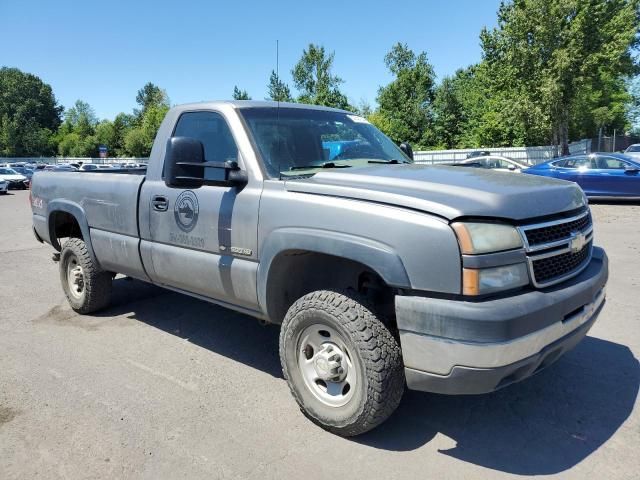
(87, 167)
(494, 162)
(61, 167)
(633, 151)
(15, 179)
(601, 175)
(27, 172)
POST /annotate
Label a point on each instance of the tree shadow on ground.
(544, 425)
(209, 326)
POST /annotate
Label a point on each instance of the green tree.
(121, 125)
(278, 90)
(29, 114)
(81, 118)
(313, 78)
(139, 139)
(76, 134)
(405, 104)
(136, 143)
(240, 94)
(565, 67)
(633, 104)
(150, 95)
(449, 115)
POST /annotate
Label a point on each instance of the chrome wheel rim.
(327, 365)
(75, 278)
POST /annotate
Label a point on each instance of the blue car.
(600, 175)
(338, 147)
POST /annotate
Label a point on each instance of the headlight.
(488, 280)
(475, 238)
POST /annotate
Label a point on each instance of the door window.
(577, 162)
(214, 133)
(611, 163)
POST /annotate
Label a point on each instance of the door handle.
(160, 203)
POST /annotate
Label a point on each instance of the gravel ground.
(163, 386)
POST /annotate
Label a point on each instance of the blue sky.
(103, 52)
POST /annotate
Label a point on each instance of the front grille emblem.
(577, 242)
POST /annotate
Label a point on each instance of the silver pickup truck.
(382, 273)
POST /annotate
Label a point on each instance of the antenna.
(278, 107)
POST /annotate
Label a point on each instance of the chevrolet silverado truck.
(382, 273)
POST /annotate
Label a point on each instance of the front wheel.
(87, 287)
(342, 364)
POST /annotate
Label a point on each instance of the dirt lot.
(162, 386)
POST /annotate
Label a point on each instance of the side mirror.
(630, 169)
(183, 163)
(406, 149)
(512, 167)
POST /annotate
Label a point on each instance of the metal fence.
(531, 155)
(59, 160)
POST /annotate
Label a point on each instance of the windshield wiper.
(322, 165)
(395, 161)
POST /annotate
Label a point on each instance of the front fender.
(377, 256)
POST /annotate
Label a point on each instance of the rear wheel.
(87, 287)
(342, 364)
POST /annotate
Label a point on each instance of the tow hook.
(56, 257)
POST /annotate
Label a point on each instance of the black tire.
(379, 367)
(96, 283)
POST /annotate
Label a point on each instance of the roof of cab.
(255, 104)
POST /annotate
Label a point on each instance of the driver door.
(204, 240)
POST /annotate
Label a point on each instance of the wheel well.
(63, 225)
(294, 273)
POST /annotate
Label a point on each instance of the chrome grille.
(549, 268)
(552, 233)
(559, 249)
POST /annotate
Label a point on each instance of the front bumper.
(459, 347)
(18, 184)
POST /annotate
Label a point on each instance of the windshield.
(295, 141)
(8, 171)
(633, 148)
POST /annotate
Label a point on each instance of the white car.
(495, 162)
(4, 186)
(633, 151)
(86, 167)
(16, 180)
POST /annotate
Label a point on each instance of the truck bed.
(109, 200)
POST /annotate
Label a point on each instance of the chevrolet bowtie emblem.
(577, 242)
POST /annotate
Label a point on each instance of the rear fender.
(77, 212)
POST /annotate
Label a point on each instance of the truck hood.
(449, 192)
